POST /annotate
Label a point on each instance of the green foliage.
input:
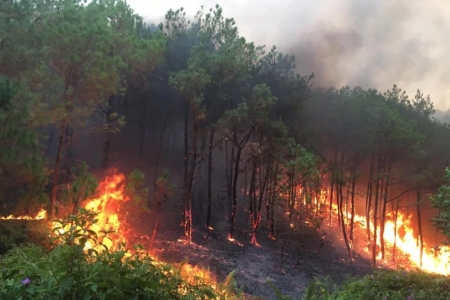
(136, 190)
(395, 285)
(68, 272)
(320, 289)
(441, 201)
(11, 234)
(249, 116)
(22, 165)
(302, 171)
(164, 189)
(88, 70)
(83, 186)
(317, 289)
(74, 229)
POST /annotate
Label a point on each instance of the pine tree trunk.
(210, 150)
(189, 223)
(331, 199)
(369, 198)
(383, 211)
(340, 202)
(230, 186)
(251, 199)
(343, 226)
(49, 142)
(107, 142)
(239, 146)
(69, 155)
(352, 219)
(158, 153)
(394, 248)
(375, 215)
(292, 197)
(247, 197)
(419, 223)
(347, 201)
(56, 167)
(186, 192)
(158, 212)
(272, 203)
(271, 196)
(262, 194)
(333, 175)
(234, 190)
(142, 128)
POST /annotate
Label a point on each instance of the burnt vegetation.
(236, 144)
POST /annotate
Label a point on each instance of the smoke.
(370, 43)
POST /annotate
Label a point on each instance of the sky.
(368, 43)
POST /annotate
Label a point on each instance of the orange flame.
(432, 261)
(108, 202)
(110, 196)
(401, 233)
(107, 205)
(42, 214)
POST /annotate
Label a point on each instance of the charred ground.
(290, 264)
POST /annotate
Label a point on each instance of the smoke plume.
(370, 43)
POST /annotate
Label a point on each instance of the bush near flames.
(381, 285)
(88, 258)
(70, 272)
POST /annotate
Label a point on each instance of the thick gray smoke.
(371, 43)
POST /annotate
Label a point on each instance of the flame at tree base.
(108, 202)
(399, 233)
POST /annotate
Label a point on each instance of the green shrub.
(69, 272)
(389, 285)
(18, 232)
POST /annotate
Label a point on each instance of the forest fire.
(400, 237)
(431, 260)
(111, 228)
(107, 205)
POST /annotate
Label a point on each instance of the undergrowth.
(17, 232)
(68, 272)
(381, 285)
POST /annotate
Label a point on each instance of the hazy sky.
(371, 43)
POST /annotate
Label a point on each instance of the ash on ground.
(287, 265)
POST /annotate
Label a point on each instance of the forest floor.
(253, 265)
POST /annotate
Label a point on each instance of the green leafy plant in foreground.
(382, 285)
(69, 272)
